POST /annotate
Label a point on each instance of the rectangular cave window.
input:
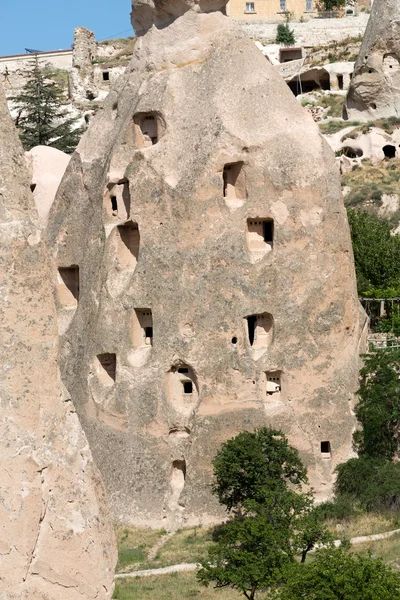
(250, 7)
(142, 332)
(340, 81)
(114, 203)
(68, 286)
(106, 76)
(128, 242)
(260, 236)
(147, 129)
(183, 370)
(234, 181)
(118, 200)
(282, 5)
(273, 383)
(326, 450)
(260, 329)
(187, 387)
(107, 368)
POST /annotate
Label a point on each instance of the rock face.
(81, 77)
(374, 91)
(206, 279)
(47, 166)
(56, 541)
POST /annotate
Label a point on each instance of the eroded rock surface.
(47, 166)
(56, 541)
(201, 218)
(374, 90)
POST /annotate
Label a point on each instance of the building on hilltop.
(203, 270)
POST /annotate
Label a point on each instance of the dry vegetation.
(187, 545)
(177, 586)
(190, 545)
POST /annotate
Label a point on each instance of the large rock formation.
(47, 166)
(56, 542)
(374, 91)
(206, 280)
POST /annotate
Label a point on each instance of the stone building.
(203, 269)
(56, 538)
(275, 10)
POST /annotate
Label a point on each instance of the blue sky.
(49, 24)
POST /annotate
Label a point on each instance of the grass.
(370, 183)
(363, 524)
(334, 126)
(190, 545)
(187, 545)
(176, 586)
(134, 545)
(388, 550)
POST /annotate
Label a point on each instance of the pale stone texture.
(56, 541)
(374, 91)
(47, 166)
(157, 353)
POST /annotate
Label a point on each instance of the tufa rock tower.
(374, 90)
(203, 266)
(56, 541)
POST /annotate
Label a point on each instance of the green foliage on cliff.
(43, 113)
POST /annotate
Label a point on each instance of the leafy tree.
(253, 463)
(378, 409)
(250, 555)
(272, 523)
(376, 252)
(372, 481)
(44, 117)
(372, 484)
(338, 575)
(285, 35)
(333, 4)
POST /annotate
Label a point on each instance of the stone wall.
(314, 32)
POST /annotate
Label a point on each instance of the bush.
(338, 575)
(371, 483)
(285, 35)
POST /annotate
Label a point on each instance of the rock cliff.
(374, 90)
(56, 540)
(204, 271)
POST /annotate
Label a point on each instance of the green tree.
(333, 4)
(44, 117)
(338, 575)
(378, 408)
(372, 481)
(376, 252)
(285, 35)
(253, 463)
(272, 523)
(371, 484)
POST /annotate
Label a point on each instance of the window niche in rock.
(260, 330)
(182, 388)
(391, 64)
(234, 184)
(106, 368)
(68, 286)
(273, 386)
(259, 237)
(127, 241)
(148, 129)
(142, 328)
(117, 200)
(326, 451)
(177, 483)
